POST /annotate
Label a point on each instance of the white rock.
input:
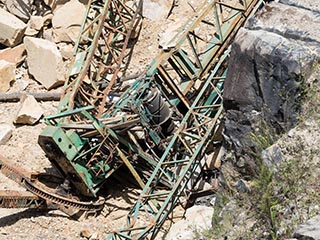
(45, 62)
(197, 218)
(20, 8)
(156, 10)
(7, 75)
(34, 25)
(67, 21)
(14, 55)
(29, 112)
(5, 133)
(11, 29)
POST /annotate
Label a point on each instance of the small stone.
(66, 50)
(86, 233)
(20, 85)
(11, 29)
(165, 37)
(291, 133)
(7, 75)
(48, 34)
(5, 133)
(29, 112)
(272, 156)
(14, 55)
(45, 62)
(95, 236)
(34, 25)
(241, 162)
(242, 186)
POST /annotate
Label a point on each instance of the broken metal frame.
(183, 154)
(188, 76)
(91, 156)
(101, 54)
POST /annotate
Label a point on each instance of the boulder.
(7, 75)
(277, 17)
(5, 133)
(67, 21)
(45, 62)
(34, 25)
(309, 230)
(262, 88)
(197, 219)
(29, 112)
(20, 8)
(156, 10)
(14, 55)
(11, 29)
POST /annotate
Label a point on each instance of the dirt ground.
(22, 148)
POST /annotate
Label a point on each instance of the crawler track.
(38, 195)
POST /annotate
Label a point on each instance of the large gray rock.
(263, 83)
(7, 75)
(67, 21)
(11, 29)
(45, 62)
(20, 8)
(309, 230)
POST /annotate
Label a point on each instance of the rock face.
(44, 62)
(20, 8)
(11, 29)
(197, 219)
(7, 74)
(268, 65)
(67, 21)
(310, 230)
(30, 111)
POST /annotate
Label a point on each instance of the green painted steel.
(160, 127)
